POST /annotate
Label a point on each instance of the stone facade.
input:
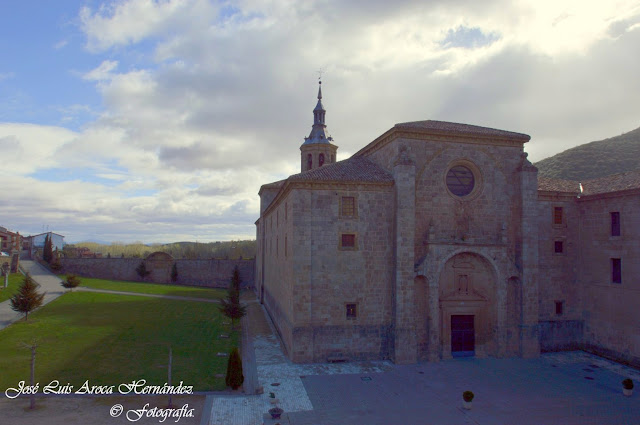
(437, 240)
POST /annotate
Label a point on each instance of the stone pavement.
(49, 284)
(277, 375)
(558, 388)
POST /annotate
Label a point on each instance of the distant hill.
(596, 159)
(183, 250)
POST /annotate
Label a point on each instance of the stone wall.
(561, 335)
(210, 273)
(611, 309)
(309, 279)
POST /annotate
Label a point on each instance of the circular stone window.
(460, 180)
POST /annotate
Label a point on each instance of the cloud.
(60, 44)
(121, 23)
(102, 72)
(203, 102)
(6, 75)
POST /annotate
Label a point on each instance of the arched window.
(333, 158)
(309, 161)
(320, 160)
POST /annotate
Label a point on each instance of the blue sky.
(159, 120)
(42, 53)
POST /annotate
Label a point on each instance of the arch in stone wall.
(468, 311)
(159, 265)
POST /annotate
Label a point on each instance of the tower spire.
(318, 149)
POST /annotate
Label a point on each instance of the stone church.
(438, 240)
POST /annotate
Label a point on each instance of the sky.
(158, 121)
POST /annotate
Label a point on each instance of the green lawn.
(152, 288)
(112, 339)
(15, 280)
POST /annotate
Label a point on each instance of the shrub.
(142, 270)
(234, 377)
(174, 273)
(56, 266)
(627, 384)
(467, 396)
(71, 282)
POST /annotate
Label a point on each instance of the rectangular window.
(615, 224)
(559, 307)
(352, 311)
(558, 215)
(616, 270)
(558, 247)
(348, 206)
(285, 211)
(348, 240)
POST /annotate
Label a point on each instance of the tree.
(27, 298)
(174, 273)
(142, 270)
(234, 377)
(47, 252)
(71, 282)
(230, 306)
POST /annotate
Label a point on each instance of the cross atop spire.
(319, 132)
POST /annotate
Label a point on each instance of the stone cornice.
(552, 195)
(437, 136)
(288, 186)
(608, 195)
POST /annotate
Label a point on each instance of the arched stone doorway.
(159, 265)
(467, 300)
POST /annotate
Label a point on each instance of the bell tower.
(317, 149)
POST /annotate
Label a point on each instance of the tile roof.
(466, 129)
(274, 185)
(558, 185)
(614, 183)
(354, 169)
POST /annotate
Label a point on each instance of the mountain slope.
(596, 159)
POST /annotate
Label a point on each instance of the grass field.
(113, 339)
(152, 288)
(15, 280)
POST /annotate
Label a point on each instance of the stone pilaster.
(405, 346)
(530, 345)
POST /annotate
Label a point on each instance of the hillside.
(596, 159)
(183, 250)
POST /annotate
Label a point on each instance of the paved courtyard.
(558, 388)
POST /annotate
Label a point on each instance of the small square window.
(352, 310)
(558, 215)
(616, 270)
(348, 206)
(559, 307)
(558, 247)
(615, 223)
(348, 240)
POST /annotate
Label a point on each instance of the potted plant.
(275, 412)
(627, 387)
(273, 399)
(467, 398)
